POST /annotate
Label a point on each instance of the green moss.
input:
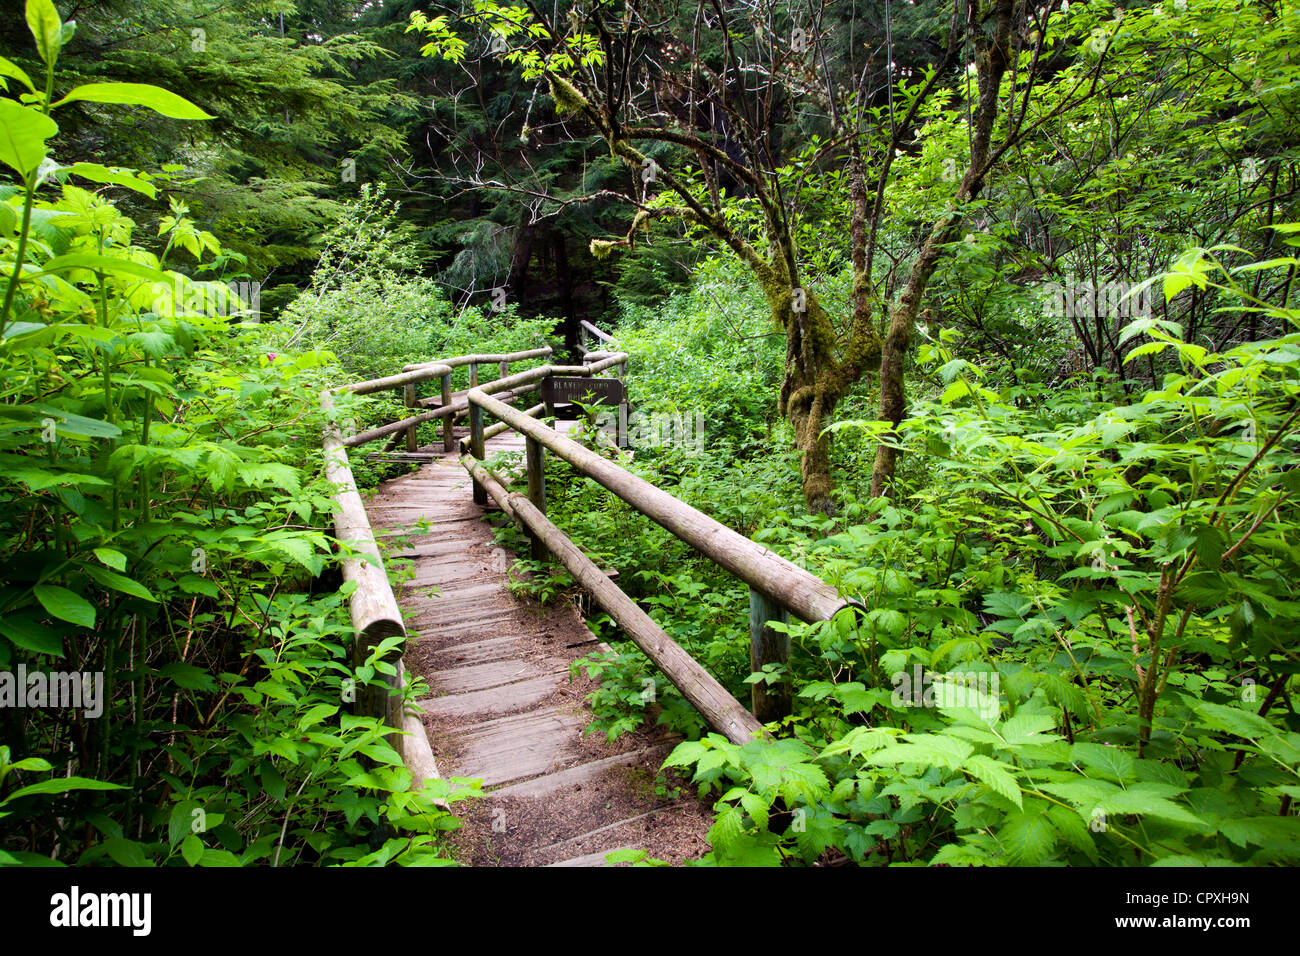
(566, 95)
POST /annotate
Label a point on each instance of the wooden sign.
(566, 389)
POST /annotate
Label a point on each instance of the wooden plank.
(477, 677)
(584, 773)
(593, 859)
(516, 747)
(501, 699)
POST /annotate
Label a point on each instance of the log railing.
(589, 331)
(449, 407)
(778, 587)
(373, 608)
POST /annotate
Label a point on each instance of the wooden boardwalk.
(502, 706)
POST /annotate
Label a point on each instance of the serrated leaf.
(996, 775)
(1028, 836)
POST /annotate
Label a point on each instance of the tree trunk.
(991, 64)
(564, 280)
(813, 384)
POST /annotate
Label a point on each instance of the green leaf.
(112, 177)
(1235, 720)
(111, 558)
(65, 605)
(137, 94)
(192, 849)
(30, 635)
(111, 265)
(70, 424)
(1027, 729)
(23, 132)
(1109, 762)
(125, 852)
(188, 676)
(756, 807)
(272, 782)
(9, 68)
(996, 775)
(119, 582)
(1028, 835)
(181, 820)
(685, 753)
(47, 29)
(62, 785)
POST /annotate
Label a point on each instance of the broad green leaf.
(119, 582)
(65, 605)
(11, 69)
(47, 29)
(192, 849)
(181, 821)
(30, 635)
(1110, 762)
(1028, 835)
(1235, 720)
(62, 785)
(125, 852)
(112, 177)
(110, 265)
(23, 132)
(67, 423)
(111, 558)
(137, 94)
(996, 775)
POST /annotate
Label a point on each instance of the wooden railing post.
(473, 374)
(476, 448)
(409, 394)
(535, 459)
(766, 646)
(448, 443)
(505, 369)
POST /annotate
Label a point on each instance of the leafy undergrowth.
(1077, 642)
(176, 681)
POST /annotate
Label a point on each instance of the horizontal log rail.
(589, 329)
(395, 381)
(372, 605)
(455, 410)
(794, 588)
(462, 360)
(450, 407)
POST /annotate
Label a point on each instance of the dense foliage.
(160, 535)
(1049, 326)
